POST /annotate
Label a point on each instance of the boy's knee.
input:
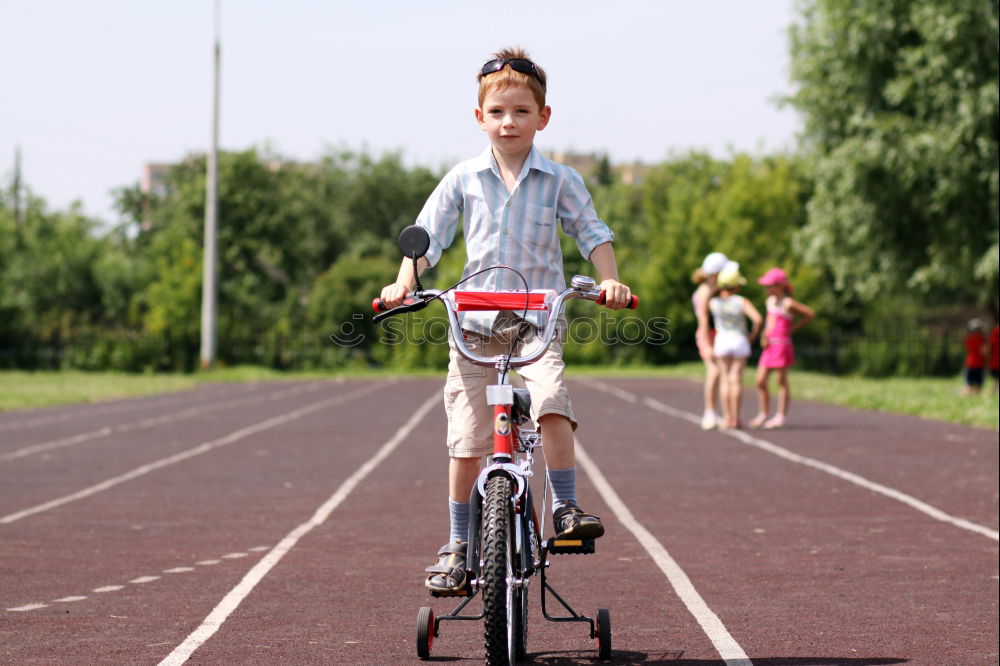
(553, 420)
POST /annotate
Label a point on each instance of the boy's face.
(510, 118)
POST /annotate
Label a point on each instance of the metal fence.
(910, 354)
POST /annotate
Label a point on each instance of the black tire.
(425, 631)
(520, 624)
(603, 633)
(526, 559)
(496, 530)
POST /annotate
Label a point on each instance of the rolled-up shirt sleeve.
(441, 213)
(579, 217)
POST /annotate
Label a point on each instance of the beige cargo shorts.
(470, 419)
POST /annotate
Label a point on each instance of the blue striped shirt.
(514, 228)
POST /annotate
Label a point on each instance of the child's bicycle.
(504, 542)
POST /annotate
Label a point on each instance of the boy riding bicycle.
(509, 199)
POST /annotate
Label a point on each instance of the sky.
(94, 89)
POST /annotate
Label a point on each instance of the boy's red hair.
(509, 78)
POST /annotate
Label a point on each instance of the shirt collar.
(535, 160)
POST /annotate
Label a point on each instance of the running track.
(290, 523)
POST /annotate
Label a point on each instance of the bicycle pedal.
(571, 546)
(464, 592)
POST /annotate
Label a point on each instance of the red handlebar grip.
(378, 305)
(633, 304)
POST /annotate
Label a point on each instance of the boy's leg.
(553, 412)
(568, 519)
(462, 474)
(559, 448)
(447, 576)
(469, 438)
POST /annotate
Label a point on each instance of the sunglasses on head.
(517, 64)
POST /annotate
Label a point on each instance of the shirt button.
(507, 205)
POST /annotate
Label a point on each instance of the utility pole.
(16, 187)
(209, 284)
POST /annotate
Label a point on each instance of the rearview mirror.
(414, 241)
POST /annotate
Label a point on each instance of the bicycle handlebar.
(633, 302)
(417, 300)
(413, 302)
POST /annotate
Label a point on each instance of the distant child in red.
(975, 359)
(995, 356)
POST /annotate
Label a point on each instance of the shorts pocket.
(464, 368)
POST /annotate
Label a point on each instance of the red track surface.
(106, 557)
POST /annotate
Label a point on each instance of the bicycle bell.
(583, 283)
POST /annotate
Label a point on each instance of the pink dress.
(779, 352)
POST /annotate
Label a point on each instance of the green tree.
(282, 225)
(49, 290)
(900, 102)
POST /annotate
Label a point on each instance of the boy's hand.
(393, 294)
(616, 295)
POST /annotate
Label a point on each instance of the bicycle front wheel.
(496, 538)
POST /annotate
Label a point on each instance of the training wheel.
(425, 631)
(603, 633)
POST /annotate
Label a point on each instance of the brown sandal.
(572, 522)
(448, 577)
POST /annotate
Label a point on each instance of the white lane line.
(724, 643)
(108, 588)
(153, 421)
(191, 453)
(207, 563)
(56, 444)
(233, 556)
(138, 581)
(784, 453)
(92, 410)
(231, 601)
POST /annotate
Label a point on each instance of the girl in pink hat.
(785, 315)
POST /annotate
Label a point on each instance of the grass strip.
(938, 398)
(23, 390)
(928, 397)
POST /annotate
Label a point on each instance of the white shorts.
(731, 343)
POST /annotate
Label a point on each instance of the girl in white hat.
(705, 277)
